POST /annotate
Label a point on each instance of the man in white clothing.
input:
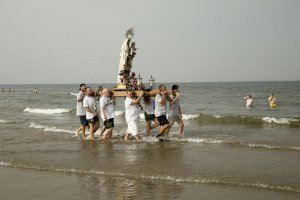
(249, 102)
(107, 110)
(160, 112)
(89, 105)
(132, 111)
(80, 112)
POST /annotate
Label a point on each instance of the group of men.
(91, 106)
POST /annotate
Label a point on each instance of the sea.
(226, 152)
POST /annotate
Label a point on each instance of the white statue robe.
(123, 55)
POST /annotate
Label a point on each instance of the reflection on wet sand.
(103, 187)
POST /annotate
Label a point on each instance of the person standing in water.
(107, 110)
(148, 107)
(175, 112)
(272, 101)
(249, 101)
(132, 111)
(89, 104)
(161, 110)
(80, 112)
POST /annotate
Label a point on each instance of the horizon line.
(156, 82)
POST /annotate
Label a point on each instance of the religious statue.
(128, 52)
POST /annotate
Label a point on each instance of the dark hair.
(175, 87)
(82, 84)
(147, 99)
(132, 74)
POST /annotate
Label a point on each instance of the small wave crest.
(184, 116)
(267, 146)
(50, 128)
(197, 140)
(279, 120)
(248, 120)
(46, 111)
(4, 121)
(198, 180)
(73, 94)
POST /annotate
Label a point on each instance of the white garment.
(123, 55)
(79, 108)
(132, 127)
(107, 108)
(89, 102)
(249, 102)
(132, 111)
(159, 109)
(149, 108)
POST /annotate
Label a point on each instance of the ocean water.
(227, 152)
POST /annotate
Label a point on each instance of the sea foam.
(73, 94)
(279, 120)
(46, 111)
(50, 128)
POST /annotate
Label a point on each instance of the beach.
(227, 152)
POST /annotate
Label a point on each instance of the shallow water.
(227, 152)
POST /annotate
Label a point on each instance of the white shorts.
(132, 127)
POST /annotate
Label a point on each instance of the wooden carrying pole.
(151, 93)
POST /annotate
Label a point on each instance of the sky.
(74, 41)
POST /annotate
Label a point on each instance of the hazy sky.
(73, 41)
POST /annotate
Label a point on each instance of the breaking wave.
(178, 179)
(239, 119)
(46, 111)
(50, 128)
(243, 119)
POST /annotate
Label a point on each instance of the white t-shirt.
(159, 109)
(132, 111)
(174, 107)
(249, 102)
(149, 108)
(89, 102)
(79, 108)
(109, 107)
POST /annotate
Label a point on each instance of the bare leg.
(92, 131)
(148, 128)
(96, 126)
(156, 124)
(137, 137)
(110, 133)
(126, 136)
(164, 128)
(102, 130)
(106, 133)
(167, 130)
(83, 131)
(78, 130)
(181, 126)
